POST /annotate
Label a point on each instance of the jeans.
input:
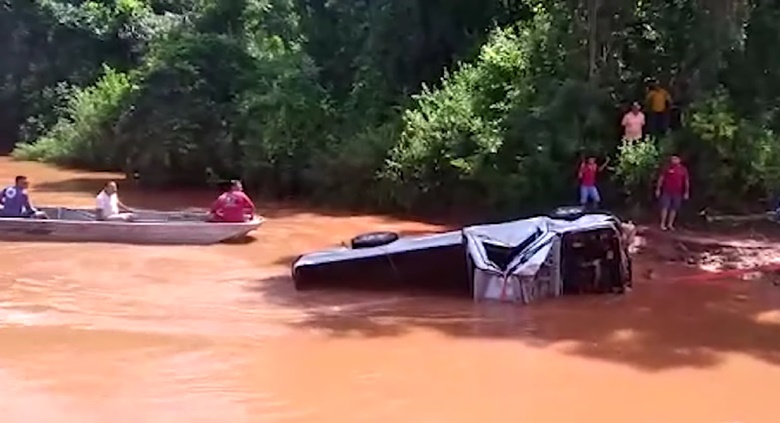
(589, 193)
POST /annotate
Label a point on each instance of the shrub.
(731, 157)
(450, 134)
(500, 133)
(637, 168)
(84, 136)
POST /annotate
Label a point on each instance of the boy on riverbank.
(587, 176)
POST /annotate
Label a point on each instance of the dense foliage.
(402, 103)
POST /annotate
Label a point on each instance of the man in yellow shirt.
(659, 102)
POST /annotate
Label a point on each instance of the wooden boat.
(188, 227)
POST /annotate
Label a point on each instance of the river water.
(115, 333)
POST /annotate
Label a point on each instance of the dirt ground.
(744, 251)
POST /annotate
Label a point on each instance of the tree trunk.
(593, 40)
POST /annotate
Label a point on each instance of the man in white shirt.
(109, 207)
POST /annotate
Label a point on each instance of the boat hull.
(158, 228)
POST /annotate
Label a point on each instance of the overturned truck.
(520, 261)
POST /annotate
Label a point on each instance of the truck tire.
(373, 239)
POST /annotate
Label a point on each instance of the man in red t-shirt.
(587, 176)
(233, 205)
(673, 187)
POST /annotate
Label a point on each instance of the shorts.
(589, 193)
(671, 202)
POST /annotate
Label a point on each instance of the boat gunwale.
(255, 222)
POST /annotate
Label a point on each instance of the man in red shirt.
(673, 187)
(233, 205)
(587, 176)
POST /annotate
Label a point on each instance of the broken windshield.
(502, 256)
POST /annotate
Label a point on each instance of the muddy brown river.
(117, 333)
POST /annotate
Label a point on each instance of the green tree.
(403, 103)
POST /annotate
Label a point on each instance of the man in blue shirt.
(16, 202)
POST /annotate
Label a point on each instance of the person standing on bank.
(659, 101)
(633, 124)
(587, 176)
(673, 188)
